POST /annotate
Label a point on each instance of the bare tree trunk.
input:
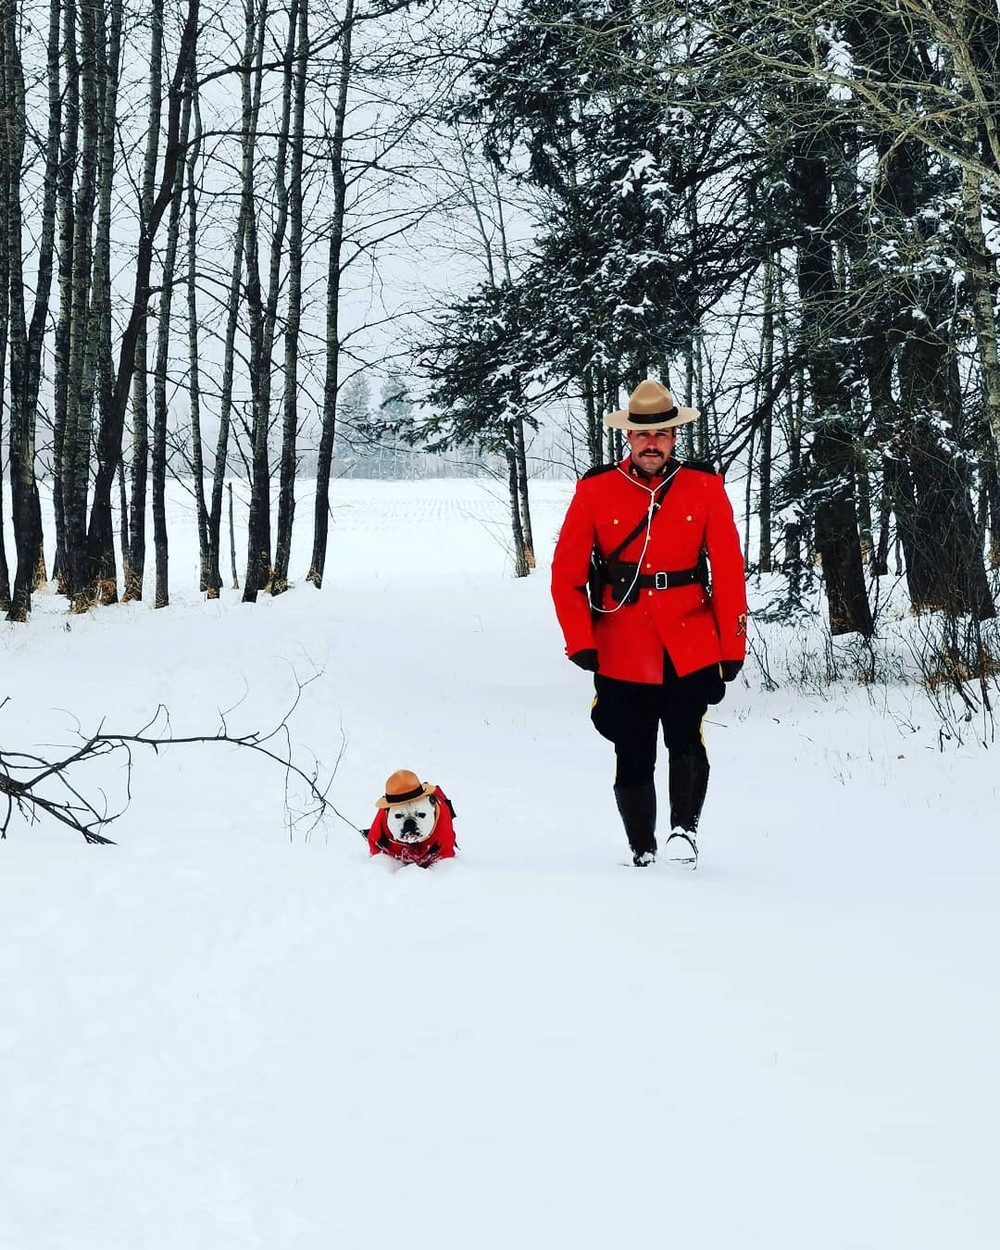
(878, 366)
(178, 131)
(945, 567)
(101, 545)
(135, 565)
(62, 342)
(837, 539)
(259, 526)
(331, 384)
(259, 568)
(486, 238)
(764, 548)
(45, 265)
(4, 570)
(593, 419)
(194, 350)
(81, 345)
(232, 541)
(7, 185)
(123, 515)
(5, 600)
(792, 422)
(521, 568)
(212, 577)
(981, 278)
(102, 567)
(24, 350)
(293, 318)
(974, 31)
(522, 489)
(991, 489)
(134, 523)
(164, 325)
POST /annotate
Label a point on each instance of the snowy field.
(223, 1033)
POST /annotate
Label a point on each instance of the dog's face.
(413, 821)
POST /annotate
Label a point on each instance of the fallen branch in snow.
(36, 787)
(27, 795)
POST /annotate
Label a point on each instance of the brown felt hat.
(650, 407)
(403, 787)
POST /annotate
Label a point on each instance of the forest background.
(248, 243)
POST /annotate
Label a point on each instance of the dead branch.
(36, 787)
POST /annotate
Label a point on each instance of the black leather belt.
(666, 581)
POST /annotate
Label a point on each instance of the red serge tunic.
(695, 628)
(440, 845)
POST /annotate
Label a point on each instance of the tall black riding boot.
(688, 787)
(637, 807)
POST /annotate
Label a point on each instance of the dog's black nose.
(409, 826)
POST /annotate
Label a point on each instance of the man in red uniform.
(659, 644)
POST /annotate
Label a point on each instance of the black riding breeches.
(630, 714)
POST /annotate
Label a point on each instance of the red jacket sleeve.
(570, 567)
(729, 595)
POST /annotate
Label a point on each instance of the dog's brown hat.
(403, 787)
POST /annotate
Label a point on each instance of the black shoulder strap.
(598, 469)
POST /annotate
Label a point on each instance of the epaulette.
(699, 466)
(598, 469)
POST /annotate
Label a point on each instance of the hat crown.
(649, 398)
(402, 782)
(403, 787)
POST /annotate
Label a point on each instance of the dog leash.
(350, 823)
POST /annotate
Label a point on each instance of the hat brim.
(382, 802)
(625, 420)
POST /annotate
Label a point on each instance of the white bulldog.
(413, 821)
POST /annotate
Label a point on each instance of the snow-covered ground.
(223, 1033)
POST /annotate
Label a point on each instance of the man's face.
(651, 448)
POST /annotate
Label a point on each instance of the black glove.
(586, 659)
(730, 669)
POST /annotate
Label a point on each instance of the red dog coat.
(440, 845)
